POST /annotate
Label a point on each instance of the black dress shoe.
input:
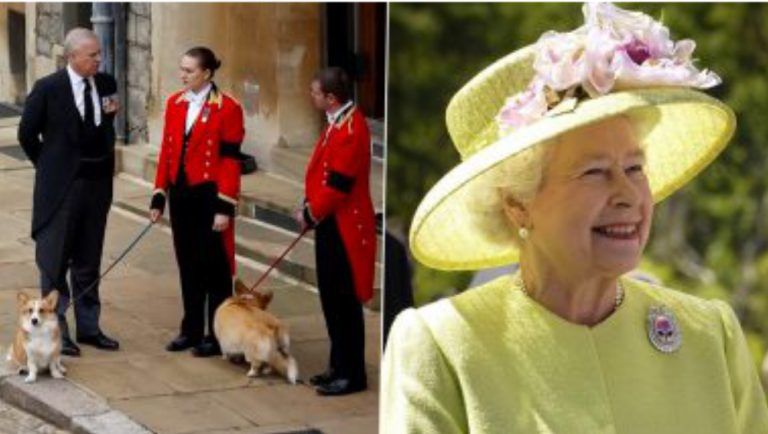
(207, 348)
(69, 348)
(322, 378)
(182, 343)
(341, 386)
(100, 341)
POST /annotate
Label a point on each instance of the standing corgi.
(38, 338)
(243, 326)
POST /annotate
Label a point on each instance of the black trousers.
(342, 310)
(203, 265)
(72, 242)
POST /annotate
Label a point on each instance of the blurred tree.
(710, 238)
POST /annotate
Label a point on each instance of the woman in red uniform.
(199, 172)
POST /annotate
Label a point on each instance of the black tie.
(89, 118)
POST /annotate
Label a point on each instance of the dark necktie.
(89, 117)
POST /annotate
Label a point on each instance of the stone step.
(12, 121)
(291, 162)
(254, 239)
(8, 110)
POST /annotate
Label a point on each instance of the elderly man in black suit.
(67, 132)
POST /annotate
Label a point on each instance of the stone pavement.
(13, 420)
(177, 393)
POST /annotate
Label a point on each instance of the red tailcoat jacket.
(337, 184)
(212, 154)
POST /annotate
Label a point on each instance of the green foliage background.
(709, 239)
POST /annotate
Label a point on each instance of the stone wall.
(48, 35)
(139, 52)
(269, 53)
(49, 28)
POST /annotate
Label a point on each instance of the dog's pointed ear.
(22, 298)
(266, 298)
(52, 299)
(240, 287)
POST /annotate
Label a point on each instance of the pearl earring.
(523, 232)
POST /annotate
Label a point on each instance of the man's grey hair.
(75, 37)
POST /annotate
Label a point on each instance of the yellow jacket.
(491, 360)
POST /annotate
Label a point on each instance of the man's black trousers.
(343, 311)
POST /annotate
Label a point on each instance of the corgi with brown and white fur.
(37, 345)
(244, 327)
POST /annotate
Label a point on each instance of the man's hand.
(220, 222)
(298, 215)
(111, 105)
(154, 215)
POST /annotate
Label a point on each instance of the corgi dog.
(37, 344)
(244, 327)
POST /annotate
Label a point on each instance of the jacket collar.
(215, 96)
(198, 97)
(333, 118)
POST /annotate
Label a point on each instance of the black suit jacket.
(51, 135)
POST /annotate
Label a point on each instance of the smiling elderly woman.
(562, 177)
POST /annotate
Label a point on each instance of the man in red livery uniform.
(338, 206)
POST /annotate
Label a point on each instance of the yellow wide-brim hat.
(683, 131)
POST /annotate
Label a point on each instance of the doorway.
(355, 41)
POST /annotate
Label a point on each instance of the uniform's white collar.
(334, 117)
(199, 96)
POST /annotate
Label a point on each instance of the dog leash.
(278, 260)
(141, 235)
(111, 266)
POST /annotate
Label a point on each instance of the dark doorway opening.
(355, 41)
(77, 15)
(17, 49)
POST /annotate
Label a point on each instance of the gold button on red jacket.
(212, 155)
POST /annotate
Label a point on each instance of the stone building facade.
(269, 54)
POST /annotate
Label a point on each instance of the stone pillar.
(299, 43)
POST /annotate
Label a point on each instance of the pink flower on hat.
(560, 62)
(525, 107)
(616, 49)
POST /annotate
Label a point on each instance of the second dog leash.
(278, 260)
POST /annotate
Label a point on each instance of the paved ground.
(177, 393)
(13, 420)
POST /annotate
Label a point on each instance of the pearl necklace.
(619, 298)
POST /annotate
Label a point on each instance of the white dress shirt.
(196, 102)
(78, 90)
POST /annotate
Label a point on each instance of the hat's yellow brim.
(682, 132)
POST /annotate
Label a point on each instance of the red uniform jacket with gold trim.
(337, 183)
(212, 155)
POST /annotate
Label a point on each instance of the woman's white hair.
(76, 37)
(515, 179)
